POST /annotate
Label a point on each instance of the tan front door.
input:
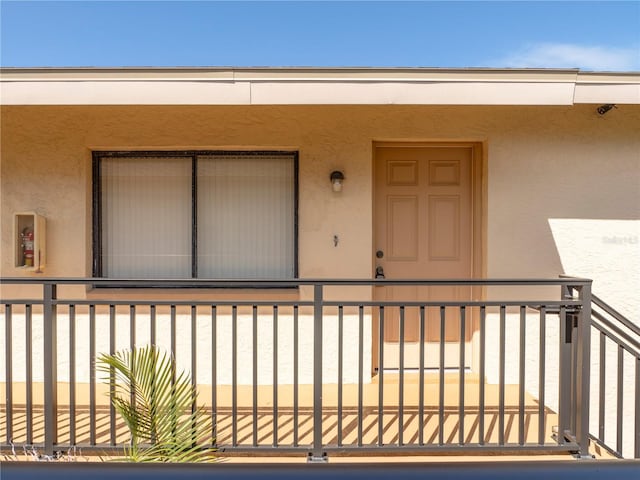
(424, 229)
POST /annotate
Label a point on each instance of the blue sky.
(590, 35)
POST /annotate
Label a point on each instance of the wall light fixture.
(337, 178)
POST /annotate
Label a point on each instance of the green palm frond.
(158, 405)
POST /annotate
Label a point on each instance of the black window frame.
(98, 155)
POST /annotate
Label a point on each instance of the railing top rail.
(615, 314)
(552, 306)
(270, 283)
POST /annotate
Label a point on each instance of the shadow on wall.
(607, 251)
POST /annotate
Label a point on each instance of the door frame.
(478, 229)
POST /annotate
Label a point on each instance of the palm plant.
(158, 407)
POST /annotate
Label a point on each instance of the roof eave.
(311, 86)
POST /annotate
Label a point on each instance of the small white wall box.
(29, 233)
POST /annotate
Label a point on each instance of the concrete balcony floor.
(246, 432)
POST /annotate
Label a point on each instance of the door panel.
(402, 215)
(443, 229)
(424, 227)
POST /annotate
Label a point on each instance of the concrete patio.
(339, 428)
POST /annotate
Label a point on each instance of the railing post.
(564, 376)
(583, 370)
(49, 314)
(317, 455)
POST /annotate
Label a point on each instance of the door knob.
(380, 272)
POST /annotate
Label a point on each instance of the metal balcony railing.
(316, 367)
(616, 341)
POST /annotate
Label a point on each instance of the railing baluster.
(421, 379)
(132, 346)
(461, 376)
(601, 387)
(296, 426)
(152, 325)
(501, 373)
(541, 375)
(441, 378)
(172, 335)
(174, 351)
(72, 374)
(112, 374)
(194, 355)
(254, 386)
(401, 380)
(214, 375)
(8, 363)
(360, 371)
(275, 376)
(620, 399)
(521, 377)
(340, 370)
(564, 375)
(234, 375)
(482, 353)
(92, 374)
(28, 366)
(381, 376)
(636, 440)
(132, 327)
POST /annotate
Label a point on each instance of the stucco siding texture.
(542, 165)
(561, 184)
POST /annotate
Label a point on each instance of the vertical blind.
(146, 217)
(242, 207)
(245, 217)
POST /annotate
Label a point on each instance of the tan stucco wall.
(561, 184)
(542, 164)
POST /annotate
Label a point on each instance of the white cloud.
(563, 55)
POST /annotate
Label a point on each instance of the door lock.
(380, 272)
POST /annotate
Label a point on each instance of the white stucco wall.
(223, 362)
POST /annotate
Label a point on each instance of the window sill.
(182, 294)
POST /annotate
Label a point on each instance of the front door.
(424, 229)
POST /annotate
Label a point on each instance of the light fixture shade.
(336, 177)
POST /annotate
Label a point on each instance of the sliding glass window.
(218, 215)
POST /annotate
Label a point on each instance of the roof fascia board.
(433, 93)
(126, 93)
(607, 93)
(603, 87)
(299, 86)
